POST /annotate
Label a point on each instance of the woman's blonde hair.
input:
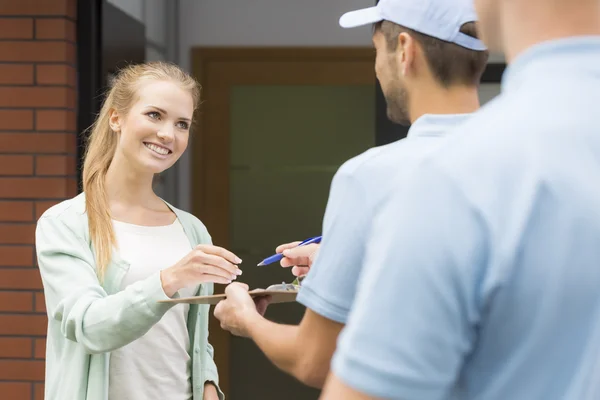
(102, 144)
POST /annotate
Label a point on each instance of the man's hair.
(450, 63)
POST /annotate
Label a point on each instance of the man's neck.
(528, 23)
(438, 100)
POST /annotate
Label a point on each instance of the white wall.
(268, 23)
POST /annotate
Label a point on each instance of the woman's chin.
(156, 166)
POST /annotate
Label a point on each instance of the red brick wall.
(37, 169)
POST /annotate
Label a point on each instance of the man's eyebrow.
(165, 112)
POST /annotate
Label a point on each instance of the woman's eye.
(182, 125)
(153, 115)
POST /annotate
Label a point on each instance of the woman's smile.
(158, 150)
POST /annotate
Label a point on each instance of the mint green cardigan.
(88, 319)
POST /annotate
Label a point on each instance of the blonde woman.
(108, 256)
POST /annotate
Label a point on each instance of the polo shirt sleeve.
(416, 308)
(330, 285)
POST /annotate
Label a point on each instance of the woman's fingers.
(221, 252)
(206, 269)
(215, 279)
(220, 262)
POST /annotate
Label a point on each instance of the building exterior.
(55, 57)
(38, 150)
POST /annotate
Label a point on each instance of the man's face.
(488, 12)
(390, 79)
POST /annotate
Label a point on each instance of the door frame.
(217, 69)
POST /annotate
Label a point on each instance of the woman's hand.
(206, 263)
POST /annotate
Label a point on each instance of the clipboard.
(277, 296)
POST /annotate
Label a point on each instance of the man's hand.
(238, 310)
(210, 392)
(300, 258)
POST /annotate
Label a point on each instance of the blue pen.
(279, 256)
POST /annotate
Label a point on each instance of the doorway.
(274, 126)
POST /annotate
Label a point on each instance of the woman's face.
(155, 131)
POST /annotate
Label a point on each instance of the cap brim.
(362, 17)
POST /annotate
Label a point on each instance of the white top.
(157, 365)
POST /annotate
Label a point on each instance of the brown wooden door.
(274, 125)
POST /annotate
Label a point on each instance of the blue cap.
(441, 19)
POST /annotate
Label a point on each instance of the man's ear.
(114, 120)
(405, 53)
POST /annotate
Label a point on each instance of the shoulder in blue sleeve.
(415, 311)
(329, 288)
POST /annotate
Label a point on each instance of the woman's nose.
(165, 134)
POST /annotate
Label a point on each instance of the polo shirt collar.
(435, 124)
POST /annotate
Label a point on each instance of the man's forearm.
(278, 342)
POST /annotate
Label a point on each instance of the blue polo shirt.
(356, 192)
(482, 273)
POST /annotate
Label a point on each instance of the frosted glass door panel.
(287, 142)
